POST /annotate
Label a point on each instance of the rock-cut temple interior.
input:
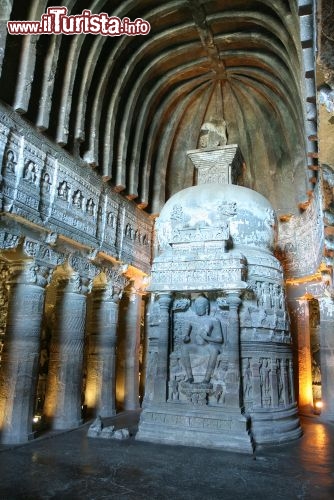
(167, 221)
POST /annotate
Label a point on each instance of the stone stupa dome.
(215, 234)
(210, 211)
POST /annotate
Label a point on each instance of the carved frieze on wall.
(196, 274)
(263, 314)
(328, 208)
(136, 234)
(44, 185)
(267, 380)
(301, 240)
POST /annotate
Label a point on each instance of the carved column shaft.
(64, 385)
(232, 378)
(101, 359)
(3, 300)
(152, 327)
(327, 358)
(160, 385)
(302, 345)
(19, 359)
(128, 361)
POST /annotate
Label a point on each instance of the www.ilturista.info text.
(56, 22)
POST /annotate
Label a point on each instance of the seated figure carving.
(202, 335)
(10, 163)
(30, 173)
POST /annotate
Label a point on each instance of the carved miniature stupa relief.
(220, 370)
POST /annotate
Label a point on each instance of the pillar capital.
(82, 265)
(68, 283)
(43, 253)
(165, 300)
(75, 275)
(28, 272)
(116, 281)
(233, 299)
(137, 282)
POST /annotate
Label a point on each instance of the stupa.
(219, 363)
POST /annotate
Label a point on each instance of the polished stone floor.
(70, 466)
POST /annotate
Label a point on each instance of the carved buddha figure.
(202, 335)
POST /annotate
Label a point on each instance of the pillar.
(62, 407)
(101, 358)
(19, 358)
(327, 357)
(232, 378)
(129, 350)
(302, 344)
(160, 385)
(3, 301)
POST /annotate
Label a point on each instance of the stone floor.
(69, 465)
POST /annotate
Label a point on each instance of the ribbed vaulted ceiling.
(132, 106)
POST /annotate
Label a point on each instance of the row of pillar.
(73, 341)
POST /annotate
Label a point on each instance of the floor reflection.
(317, 449)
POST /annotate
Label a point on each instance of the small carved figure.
(29, 173)
(276, 297)
(111, 219)
(247, 380)
(259, 295)
(46, 183)
(287, 378)
(90, 207)
(174, 387)
(99, 213)
(77, 199)
(129, 232)
(264, 377)
(279, 381)
(63, 191)
(281, 298)
(221, 370)
(202, 333)
(177, 215)
(218, 394)
(266, 298)
(10, 162)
